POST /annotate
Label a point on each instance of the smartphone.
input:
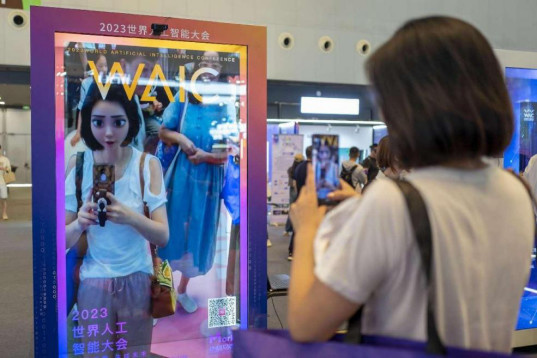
(326, 166)
(104, 177)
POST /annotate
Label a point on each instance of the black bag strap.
(422, 231)
(153, 247)
(82, 243)
(350, 171)
(79, 174)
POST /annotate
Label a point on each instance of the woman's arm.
(154, 229)
(171, 137)
(202, 156)
(308, 297)
(73, 230)
(77, 223)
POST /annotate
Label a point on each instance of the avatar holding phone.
(115, 276)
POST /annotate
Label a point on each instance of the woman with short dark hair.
(441, 92)
(388, 163)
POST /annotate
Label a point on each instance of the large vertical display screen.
(183, 104)
(522, 86)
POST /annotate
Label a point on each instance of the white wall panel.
(175, 8)
(520, 59)
(126, 6)
(14, 42)
(508, 25)
(18, 121)
(283, 12)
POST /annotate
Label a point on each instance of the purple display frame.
(48, 152)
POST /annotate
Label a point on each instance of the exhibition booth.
(155, 67)
(205, 83)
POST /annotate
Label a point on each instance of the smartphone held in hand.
(103, 183)
(325, 166)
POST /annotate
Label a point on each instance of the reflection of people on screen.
(73, 144)
(150, 110)
(201, 131)
(326, 171)
(115, 276)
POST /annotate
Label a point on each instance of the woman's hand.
(345, 192)
(306, 215)
(171, 137)
(86, 214)
(202, 156)
(118, 213)
(157, 106)
(187, 146)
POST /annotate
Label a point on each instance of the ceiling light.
(325, 105)
(326, 121)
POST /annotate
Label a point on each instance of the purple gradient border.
(47, 152)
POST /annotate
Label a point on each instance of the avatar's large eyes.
(120, 122)
(97, 123)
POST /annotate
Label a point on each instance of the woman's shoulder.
(382, 189)
(513, 185)
(151, 162)
(382, 201)
(137, 155)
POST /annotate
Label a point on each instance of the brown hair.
(441, 92)
(385, 157)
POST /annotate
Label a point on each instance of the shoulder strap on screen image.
(182, 115)
(79, 175)
(146, 209)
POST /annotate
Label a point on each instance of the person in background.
(5, 166)
(101, 64)
(370, 163)
(73, 144)
(530, 173)
(299, 158)
(299, 176)
(446, 107)
(352, 172)
(207, 131)
(388, 163)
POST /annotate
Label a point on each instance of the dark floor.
(16, 291)
(277, 263)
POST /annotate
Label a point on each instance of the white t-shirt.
(116, 250)
(482, 227)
